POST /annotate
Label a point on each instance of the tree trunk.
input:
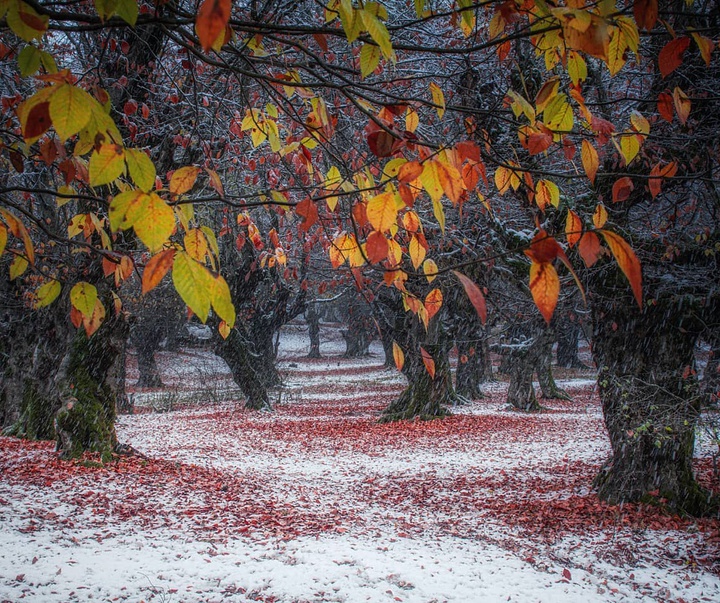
(147, 367)
(650, 403)
(568, 337)
(470, 372)
(521, 394)
(313, 321)
(711, 374)
(235, 352)
(88, 388)
(543, 368)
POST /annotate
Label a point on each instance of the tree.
(314, 115)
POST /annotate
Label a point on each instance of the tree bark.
(520, 365)
(313, 321)
(568, 337)
(650, 403)
(470, 371)
(543, 369)
(88, 387)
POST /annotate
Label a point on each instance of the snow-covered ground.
(318, 502)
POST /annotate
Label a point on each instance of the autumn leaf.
(621, 189)
(94, 320)
(428, 362)
(657, 174)
(46, 294)
(573, 228)
(183, 179)
(106, 165)
(545, 288)
(83, 296)
(156, 268)
(433, 302)
(70, 109)
(682, 105)
(376, 247)
(194, 284)
(3, 238)
(382, 211)
(589, 248)
(476, 297)
(646, 13)
(152, 219)
(547, 193)
(600, 216)
(196, 244)
(670, 57)
(430, 270)
(141, 169)
(398, 356)
(211, 21)
(307, 210)
(438, 99)
(416, 251)
(221, 300)
(665, 106)
(627, 260)
(369, 59)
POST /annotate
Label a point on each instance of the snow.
(317, 502)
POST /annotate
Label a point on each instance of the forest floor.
(317, 502)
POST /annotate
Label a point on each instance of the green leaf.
(25, 22)
(18, 267)
(47, 294)
(194, 284)
(369, 59)
(106, 164)
(83, 297)
(48, 61)
(70, 109)
(127, 10)
(118, 211)
(29, 60)
(152, 219)
(141, 168)
(222, 301)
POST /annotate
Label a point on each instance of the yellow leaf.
(558, 115)
(379, 33)
(106, 164)
(430, 269)
(629, 147)
(25, 22)
(222, 301)
(141, 169)
(91, 322)
(576, 67)
(382, 211)
(194, 284)
(417, 252)
(70, 109)
(183, 179)
(3, 238)
(433, 302)
(83, 297)
(398, 356)
(196, 244)
(152, 219)
(590, 160)
(47, 294)
(224, 329)
(18, 267)
(412, 120)
(438, 99)
(212, 240)
(350, 19)
(616, 51)
(705, 45)
(682, 105)
(600, 216)
(439, 214)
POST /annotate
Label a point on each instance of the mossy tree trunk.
(424, 397)
(235, 351)
(520, 366)
(473, 365)
(650, 403)
(88, 386)
(543, 369)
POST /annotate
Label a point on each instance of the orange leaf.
(398, 356)
(433, 302)
(451, 181)
(682, 105)
(543, 248)
(211, 21)
(670, 57)
(573, 228)
(657, 174)
(411, 221)
(183, 179)
(665, 106)
(600, 216)
(417, 252)
(428, 362)
(156, 268)
(382, 211)
(589, 248)
(545, 287)
(307, 210)
(410, 171)
(93, 321)
(477, 299)
(590, 160)
(621, 189)
(628, 262)
(376, 247)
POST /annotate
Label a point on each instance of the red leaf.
(628, 262)
(156, 269)
(477, 299)
(211, 21)
(670, 57)
(376, 247)
(646, 13)
(566, 574)
(621, 189)
(543, 248)
(307, 210)
(666, 107)
(381, 143)
(589, 248)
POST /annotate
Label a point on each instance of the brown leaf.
(211, 21)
